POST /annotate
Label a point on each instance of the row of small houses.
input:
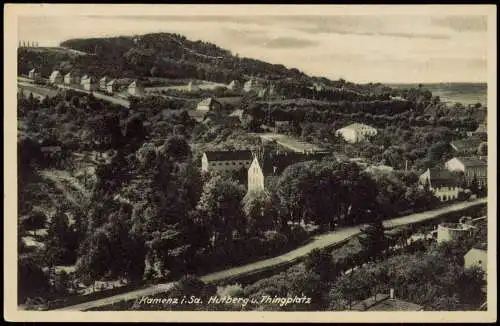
(89, 83)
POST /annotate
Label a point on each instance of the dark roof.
(282, 160)
(441, 177)
(240, 155)
(468, 144)
(470, 161)
(382, 302)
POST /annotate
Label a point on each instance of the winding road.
(320, 241)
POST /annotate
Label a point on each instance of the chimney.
(391, 294)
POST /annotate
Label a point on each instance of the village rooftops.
(238, 155)
(383, 302)
(111, 82)
(471, 161)
(442, 178)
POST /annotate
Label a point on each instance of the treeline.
(375, 113)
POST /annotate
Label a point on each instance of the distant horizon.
(392, 48)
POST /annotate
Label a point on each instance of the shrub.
(232, 290)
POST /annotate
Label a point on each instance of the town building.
(451, 231)
(90, 84)
(35, 75)
(235, 85)
(385, 302)
(356, 132)
(467, 146)
(267, 167)
(477, 256)
(112, 86)
(56, 77)
(135, 89)
(481, 132)
(103, 83)
(71, 78)
(473, 168)
(444, 184)
(252, 85)
(209, 104)
(226, 161)
(83, 79)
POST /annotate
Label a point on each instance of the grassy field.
(465, 93)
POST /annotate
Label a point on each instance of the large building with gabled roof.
(226, 161)
(356, 132)
(472, 167)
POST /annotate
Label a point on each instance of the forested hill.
(170, 56)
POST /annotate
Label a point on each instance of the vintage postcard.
(250, 163)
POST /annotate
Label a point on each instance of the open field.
(289, 142)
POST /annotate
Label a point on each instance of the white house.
(135, 89)
(103, 83)
(266, 169)
(56, 77)
(34, 75)
(356, 132)
(83, 79)
(444, 184)
(471, 167)
(234, 85)
(90, 84)
(252, 85)
(477, 257)
(226, 161)
(209, 104)
(71, 78)
(111, 86)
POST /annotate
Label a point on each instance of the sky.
(389, 48)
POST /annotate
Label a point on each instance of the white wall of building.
(255, 177)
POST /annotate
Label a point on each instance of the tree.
(259, 210)
(61, 245)
(320, 262)
(373, 239)
(32, 281)
(220, 207)
(176, 148)
(93, 263)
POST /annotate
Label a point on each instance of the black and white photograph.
(253, 159)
